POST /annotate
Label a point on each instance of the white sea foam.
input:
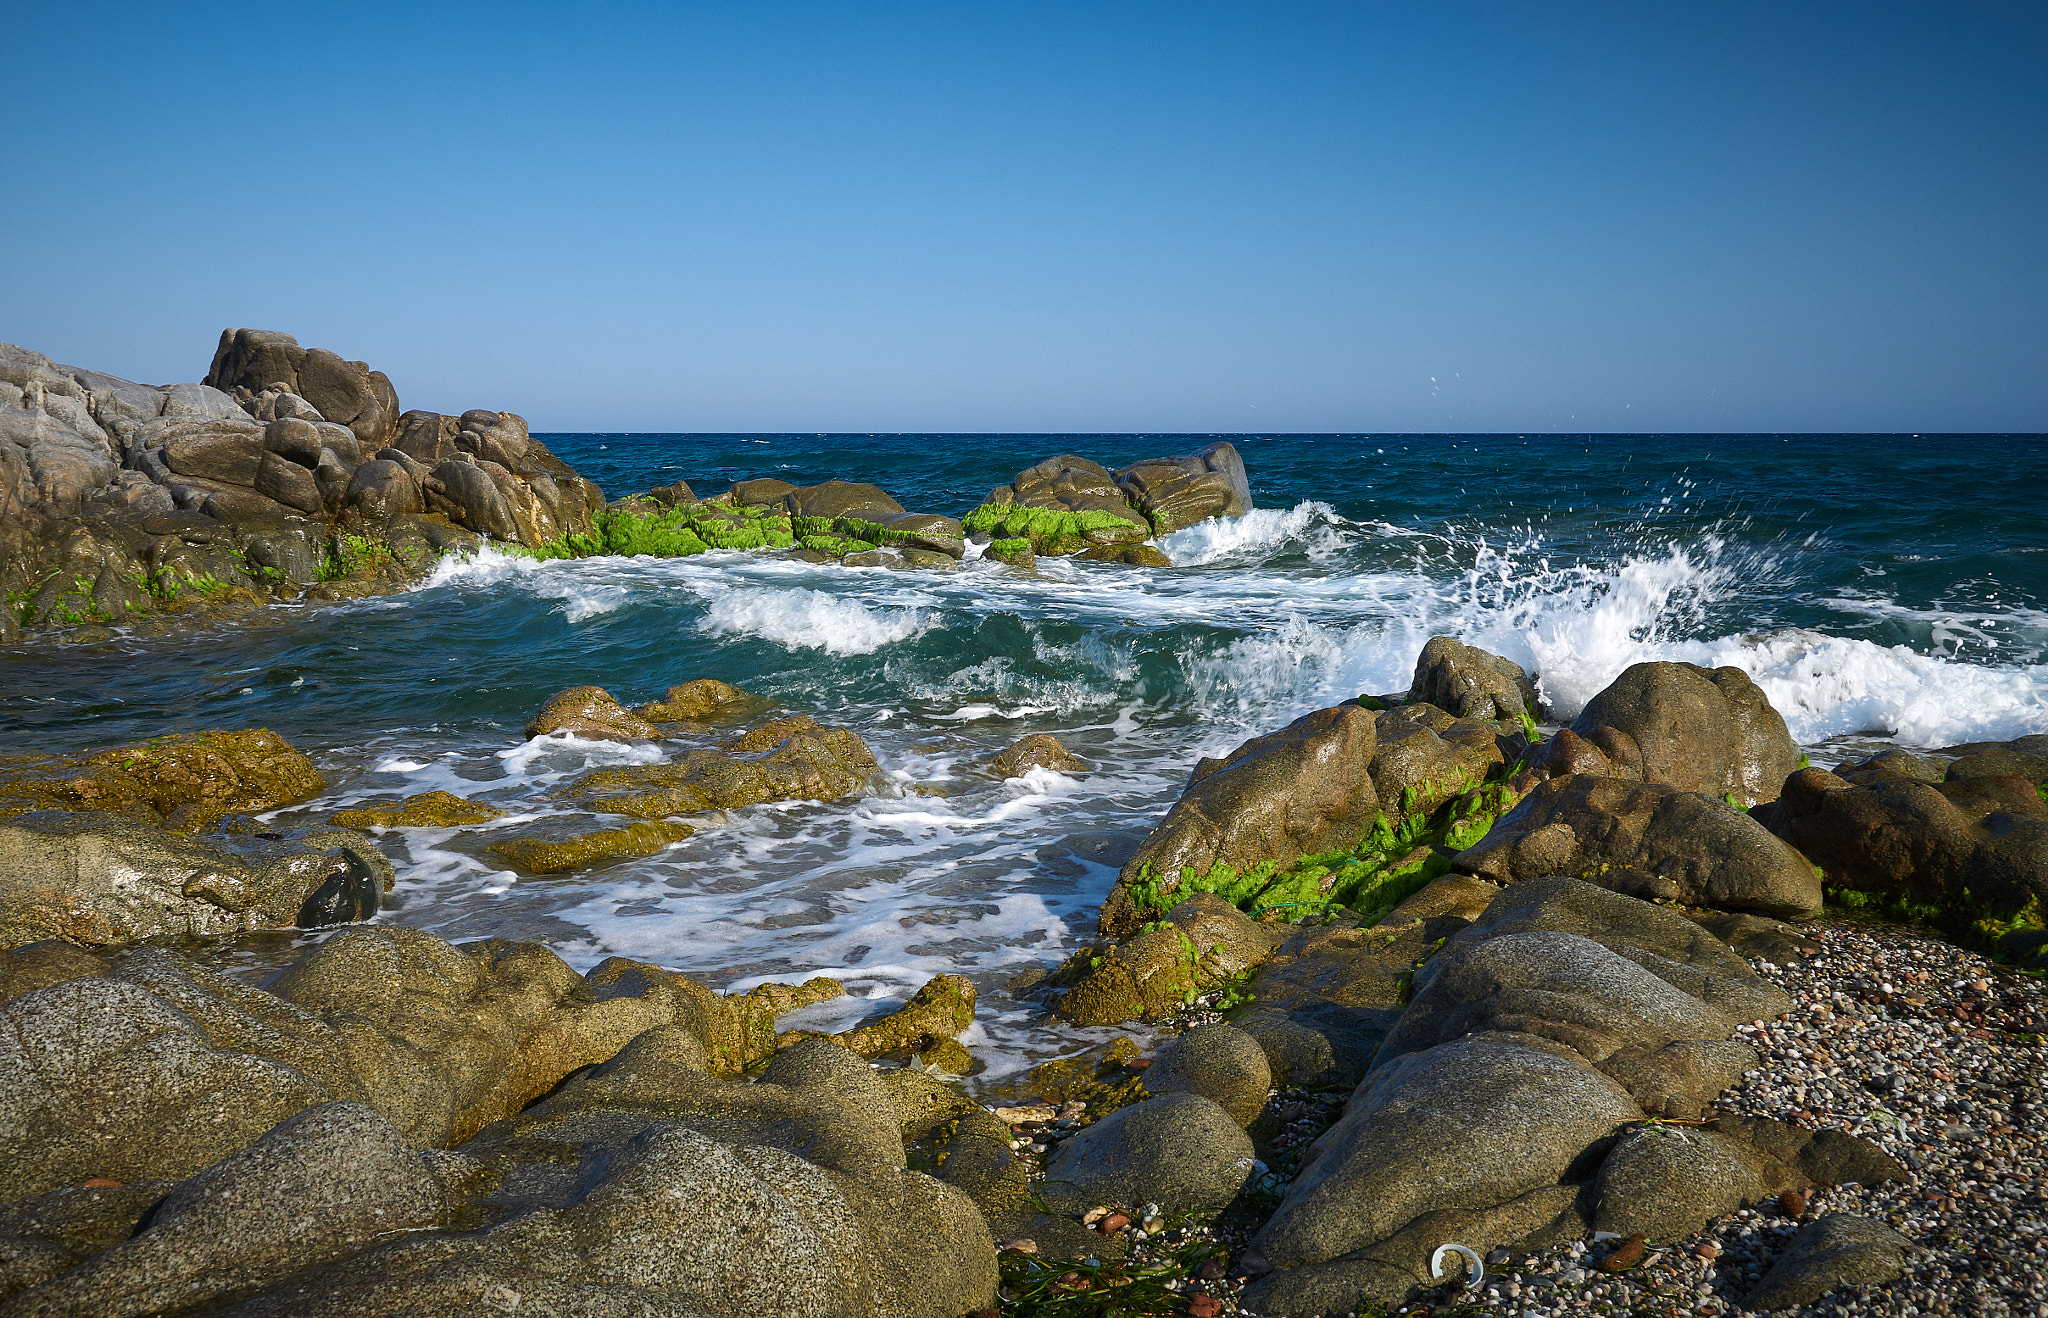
(1311, 525)
(801, 619)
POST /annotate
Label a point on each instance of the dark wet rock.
(37, 965)
(102, 879)
(323, 1184)
(46, 1236)
(1040, 750)
(590, 711)
(1469, 682)
(1219, 1062)
(1202, 942)
(1972, 845)
(1178, 492)
(1129, 555)
(1649, 840)
(348, 891)
(761, 493)
(1838, 1250)
(436, 809)
(1758, 936)
(1181, 1151)
(1304, 790)
(1696, 729)
(184, 781)
(697, 700)
(790, 759)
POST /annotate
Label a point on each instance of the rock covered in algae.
(185, 781)
(436, 809)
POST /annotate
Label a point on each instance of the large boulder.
(1648, 840)
(1221, 1063)
(104, 879)
(590, 711)
(1304, 790)
(1176, 492)
(1973, 844)
(1181, 1151)
(319, 1186)
(1696, 729)
(1470, 682)
(834, 499)
(149, 1067)
(1061, 506)
(345, 392)
(1838, 1250)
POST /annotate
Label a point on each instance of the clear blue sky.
(1101, 216)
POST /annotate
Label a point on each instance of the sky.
(1191, 217)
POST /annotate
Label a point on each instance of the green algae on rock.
(436, 809)
(184, 781)
(787, 760)
(697, 700)
(573, 851)
(1203, 942)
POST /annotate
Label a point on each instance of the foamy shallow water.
(1305, 602)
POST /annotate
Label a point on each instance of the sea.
(1882, 589)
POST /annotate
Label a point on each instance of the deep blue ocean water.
(1880, 588)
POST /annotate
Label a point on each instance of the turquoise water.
(1880, 588)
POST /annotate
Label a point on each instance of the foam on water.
(803, 619)
(1311, 526)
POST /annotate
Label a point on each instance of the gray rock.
(319, 1186)
(1481, 1123)
(100, 1078)
(1181, 1151)
(471, 498)
(1670, 1181)
(1304, 790)
(1696, 729)
(1468, 682)
(1423, 757)
(1219, 1062)
(1838, 1250)
(290, 484)
(1321, 1045)
(384, 488)
(231, 454)
(103, 879)
(1646, 840)
(840, 499)
(1178, 492)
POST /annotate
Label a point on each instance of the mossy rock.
(1202, 943)
(935, 1013)
(645, 528)
(579, 850)
(698, 700)
(1015, 552)
(787, 760)
(185, 781)
(1132, 555)
(1055, 531)
(426, 810)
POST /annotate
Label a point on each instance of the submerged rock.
(1040, 750)
(590, 711)
(1061, 506)
(560, 851)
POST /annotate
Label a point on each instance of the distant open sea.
(1881, 588)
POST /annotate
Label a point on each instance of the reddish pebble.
(103, 1183)
(1793, 1202)
(1205, 1306)
(1707, 1250)
(1114, 1223)
(1627, 1255)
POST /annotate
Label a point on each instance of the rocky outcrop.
(103, 879)
(166, 1067)
(1969, 841)
(1061, 506)
(590, 711)
(289, 473)
(1202, 942)
(184, 781)
(1174, 493)
(1648, 840)
(1302, 790)
(1469, 682)
(1683, 726)
(1505, 1108)
(650, 1178)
